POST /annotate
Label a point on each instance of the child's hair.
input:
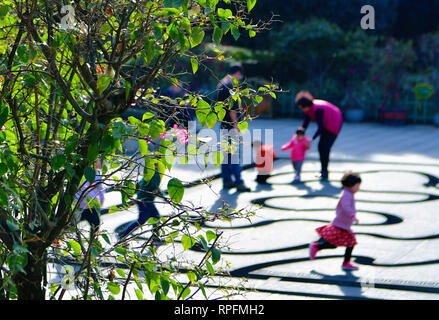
(350, 179)
(300, 131)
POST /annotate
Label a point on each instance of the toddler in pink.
(339, 233)
(299, 145)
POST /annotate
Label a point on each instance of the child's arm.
(288, 145)
(347, 206)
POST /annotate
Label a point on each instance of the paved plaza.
(398, 204)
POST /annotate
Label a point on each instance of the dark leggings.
(92, 216)
(326, 142)
(323, 244)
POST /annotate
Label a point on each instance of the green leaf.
(191, 276)
(4, 112)
(90, 174)
(143, 146)
(217, 158)
(251, 33)
(258, 99)
(194, 64)
(216, 255)
(210, 235)
(139, 294)
(113, 287)
(75, 246)
(4, 9)
(103, 83)
(210, 268)
(187, 242)
(250, 4)
(121, 250)
(165, 285)
(235, 32)
(3, 169)
(93, 152)
(147, 115)
(221, 114)
(211, 120)
(173, 3)
(58, 161)
(175, 190)
(12, 226)
(196, 37)
(217, 35)
(243, 126)
(203, 110)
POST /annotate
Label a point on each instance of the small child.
(264, 159)
(92, 191)
(339, 232)
(299, 144)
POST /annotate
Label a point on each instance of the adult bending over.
(329, 120)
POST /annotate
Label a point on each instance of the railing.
(418, 111)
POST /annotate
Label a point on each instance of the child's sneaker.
(313, 250)
(349, 266)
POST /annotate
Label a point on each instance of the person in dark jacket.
(146, 193)
(230, 170)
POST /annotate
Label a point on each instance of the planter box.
(393, 116)
(354, 115)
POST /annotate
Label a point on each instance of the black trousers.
(92, 216)
(326, 142)
(262, 178)
(323, 244)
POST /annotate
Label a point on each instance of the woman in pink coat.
(298, 144)
(329, 120)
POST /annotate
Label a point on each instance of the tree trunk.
(30, 285)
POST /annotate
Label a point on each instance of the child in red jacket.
(264, 159)
(299, 145)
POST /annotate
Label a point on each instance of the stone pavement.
(398, 234)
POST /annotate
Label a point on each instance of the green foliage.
(65, 90)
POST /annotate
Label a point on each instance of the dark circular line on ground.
(362, 260)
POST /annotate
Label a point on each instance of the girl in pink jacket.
(339, 232)
(298, 144)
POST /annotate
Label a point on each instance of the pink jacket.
(299, 148)
(332, 116)
(346, 211)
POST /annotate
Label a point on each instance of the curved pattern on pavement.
(278, 203)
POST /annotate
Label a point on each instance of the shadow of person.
(303, 186)
(348, 283)
(263, 187)
(228, 199)
(329, 189)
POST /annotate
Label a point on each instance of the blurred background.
(390, 74)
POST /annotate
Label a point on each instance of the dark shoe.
(242, 188)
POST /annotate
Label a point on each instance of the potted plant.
(354, 109)
(393, 61)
